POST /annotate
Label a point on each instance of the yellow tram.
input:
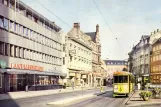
(123, 83)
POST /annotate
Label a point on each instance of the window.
(17, 51)
(1, 48)
(23, 31)
(6, 24)
(20, 29)
(157, 57)
(1, 22)
(153, 58)
(120, 79)
(12, 50)
(27, 30)
(7, 46)
(6, 2)
(0, 80)
(15, 27)
(154, 48)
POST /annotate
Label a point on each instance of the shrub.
(145, 95)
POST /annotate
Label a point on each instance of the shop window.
(1, 48)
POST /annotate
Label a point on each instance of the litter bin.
(26, 88)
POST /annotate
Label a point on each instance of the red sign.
(27, 67)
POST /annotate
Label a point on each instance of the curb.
(143, 104)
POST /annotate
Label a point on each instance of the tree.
(124, 69)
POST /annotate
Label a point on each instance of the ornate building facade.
(79, 57)
(96, 55)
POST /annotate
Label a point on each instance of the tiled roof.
(92, 35)
(115, 62)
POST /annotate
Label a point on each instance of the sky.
(127, 20)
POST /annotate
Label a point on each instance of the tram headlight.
(115, 87)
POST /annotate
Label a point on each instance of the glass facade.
(18, 82)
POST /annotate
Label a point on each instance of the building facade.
(79, 57)
(139, 59)
(155, 73)
(96, 56)
(31, 49)
(155, 61)
(114, 65)
(104, 73)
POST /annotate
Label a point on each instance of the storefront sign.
(3, 64)
(27, 67)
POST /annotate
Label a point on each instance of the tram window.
(120, 79)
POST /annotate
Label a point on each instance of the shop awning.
(19, 71)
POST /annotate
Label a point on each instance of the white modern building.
(31, 49)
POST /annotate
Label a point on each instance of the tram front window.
(120, 79)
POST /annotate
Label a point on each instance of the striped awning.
(20, 71)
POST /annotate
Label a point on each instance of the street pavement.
(136, 101)
(104, 100)
(41, 101)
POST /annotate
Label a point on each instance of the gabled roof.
(115, 62)
(92, 35)
(156, 41)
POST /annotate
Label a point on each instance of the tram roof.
(122, 73)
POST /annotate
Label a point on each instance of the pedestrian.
(73, 85)
(138, 85)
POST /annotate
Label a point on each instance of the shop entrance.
(17, 82)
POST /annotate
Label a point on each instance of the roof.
(115, 62)
(56, 27)
(157, 41)
(92, 35)
(146, 36)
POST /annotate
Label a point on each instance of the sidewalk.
(136, 101)
(23, 94)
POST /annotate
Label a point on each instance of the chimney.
(76, 25)
(97, 28)
(157, 30)
(154, 31)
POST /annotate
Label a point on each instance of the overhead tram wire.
(106, 22)
(55, 15)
